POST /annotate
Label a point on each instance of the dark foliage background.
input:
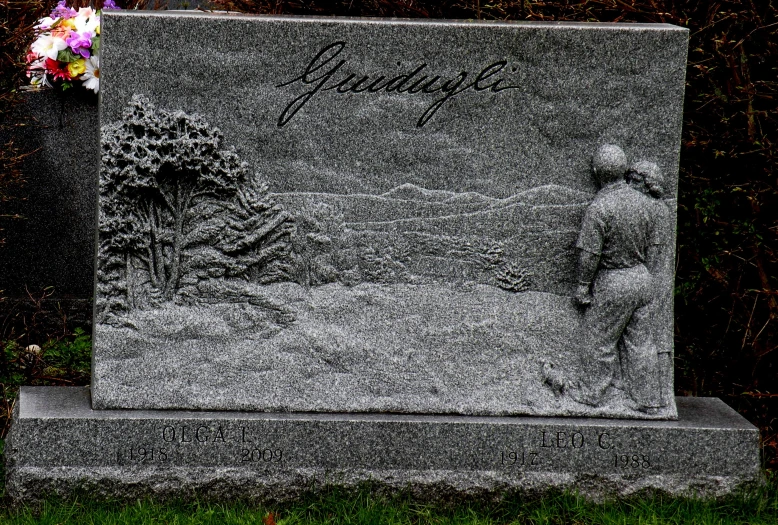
(16, 21)
(726, 300)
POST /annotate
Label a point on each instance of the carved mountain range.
(409, 201)
(412, 192)
(550, 194)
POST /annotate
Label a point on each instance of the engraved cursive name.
(323, 73)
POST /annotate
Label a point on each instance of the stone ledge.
(58, 444)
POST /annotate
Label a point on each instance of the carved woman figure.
(646, 177)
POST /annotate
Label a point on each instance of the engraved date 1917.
(519, 459)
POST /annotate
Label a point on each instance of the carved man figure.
(618, 247)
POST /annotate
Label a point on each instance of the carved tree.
(171, 192)
(251, 235)
(317, 228)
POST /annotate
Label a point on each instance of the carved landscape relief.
(215, 292)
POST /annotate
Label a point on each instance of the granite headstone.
(351, 215)
(307, 224)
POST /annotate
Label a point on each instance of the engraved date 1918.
(141, 454)
(519, 459)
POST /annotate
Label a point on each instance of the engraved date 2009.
(259, 455)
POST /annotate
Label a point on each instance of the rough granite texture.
(371, 215)
(58, 445)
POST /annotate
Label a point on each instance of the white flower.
(48, 46)
(86, 20)
(38, 81)
(45, 23)
(36, 71)
(91, 76)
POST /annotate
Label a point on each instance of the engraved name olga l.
(252, 447)
(325, 73)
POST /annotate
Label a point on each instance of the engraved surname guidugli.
(325, 72)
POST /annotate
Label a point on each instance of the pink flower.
(80, 43)
(61, 31)
(36, 68)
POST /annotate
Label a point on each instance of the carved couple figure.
(619, 247)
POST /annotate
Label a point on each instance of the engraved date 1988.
(631, 461)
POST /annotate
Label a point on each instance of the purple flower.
(109, 4)
(80, 43)
(62, 11)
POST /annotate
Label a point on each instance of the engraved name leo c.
(324, 73)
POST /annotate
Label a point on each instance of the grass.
(336, 507)
(62, 361)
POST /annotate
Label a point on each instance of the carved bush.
(513, 278)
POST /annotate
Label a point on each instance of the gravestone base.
(59, 445)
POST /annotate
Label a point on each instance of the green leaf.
(66, 55)
(66, 85)
(95, 44)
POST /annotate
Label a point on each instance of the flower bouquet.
(66, 48)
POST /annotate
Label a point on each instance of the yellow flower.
(69, 23)
(77, 67)
(97, 30)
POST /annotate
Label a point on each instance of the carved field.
(431, 348)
